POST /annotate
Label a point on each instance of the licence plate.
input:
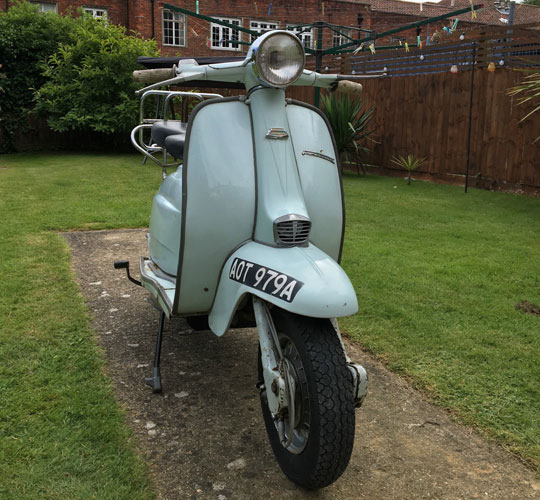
(266, 280)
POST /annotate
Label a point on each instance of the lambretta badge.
(277, 133)
(266, 280)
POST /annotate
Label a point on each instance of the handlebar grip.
(348, 87)
(154, 75)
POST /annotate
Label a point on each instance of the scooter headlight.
(280, 58)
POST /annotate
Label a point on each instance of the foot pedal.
(124, 264)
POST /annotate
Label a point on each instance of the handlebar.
(348, 87)
(231, 72)
(154, 75)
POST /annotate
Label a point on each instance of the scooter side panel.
(318, 168)
(219, 196)
(165, 223)
(302, 280)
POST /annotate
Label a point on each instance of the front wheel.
(319, 449)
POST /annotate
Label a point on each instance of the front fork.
(277, 378)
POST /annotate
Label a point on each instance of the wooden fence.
(427, 116)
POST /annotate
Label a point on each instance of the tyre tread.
(334, 389)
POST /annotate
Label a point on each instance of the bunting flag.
(372, 48)
(197, 7)
(270, 9)
(256, 8)
(406, 47)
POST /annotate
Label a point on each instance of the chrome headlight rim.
(258, 58)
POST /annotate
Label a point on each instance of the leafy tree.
(27, 38)
(89, 84)
(532, 2)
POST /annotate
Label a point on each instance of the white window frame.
(219, 35)
(306, 37)
(178, 23)
(262, 27)
(341, 38)
(46, 7)
(97, 12)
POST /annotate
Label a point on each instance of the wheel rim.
(300, 427)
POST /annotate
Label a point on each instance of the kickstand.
(155, 380)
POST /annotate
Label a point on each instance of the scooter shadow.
(209, 411)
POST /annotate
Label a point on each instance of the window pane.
(223, 37)
(47, 6)
(174, 26)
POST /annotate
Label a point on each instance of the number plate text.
(265, 279)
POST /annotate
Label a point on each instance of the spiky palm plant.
(409, 163)
(528, 90)
(350, 123)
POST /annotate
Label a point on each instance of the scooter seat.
(165, 128)
(174, 144)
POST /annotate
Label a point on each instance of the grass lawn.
(437, 273)
(62, 434)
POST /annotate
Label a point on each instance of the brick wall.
(283, 12)
(117, 10)
(146, 18)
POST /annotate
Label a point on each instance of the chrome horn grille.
(292, 230)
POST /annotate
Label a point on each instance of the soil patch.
(528, 308)
(204, 437)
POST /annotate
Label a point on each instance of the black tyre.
(324, 425)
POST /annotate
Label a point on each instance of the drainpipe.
(153, 29)
(127, 16)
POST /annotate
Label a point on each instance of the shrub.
(528, 91)
(350, 124)
(409, 163)
(27, 38)
(89, 84)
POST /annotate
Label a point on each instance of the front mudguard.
(325, 291)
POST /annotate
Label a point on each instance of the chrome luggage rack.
(164, 105)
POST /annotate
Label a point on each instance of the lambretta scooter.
(248, 231)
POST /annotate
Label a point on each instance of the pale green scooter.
(248, 231)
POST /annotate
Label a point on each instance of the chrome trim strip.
(318, 155)
(152, 282)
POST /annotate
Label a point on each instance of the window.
(96, 12)
(341, 38)
(47, 7)
(174, 28)
(305, 35)
(262, 27)
(223, 37)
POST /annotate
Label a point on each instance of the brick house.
(180, 35)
